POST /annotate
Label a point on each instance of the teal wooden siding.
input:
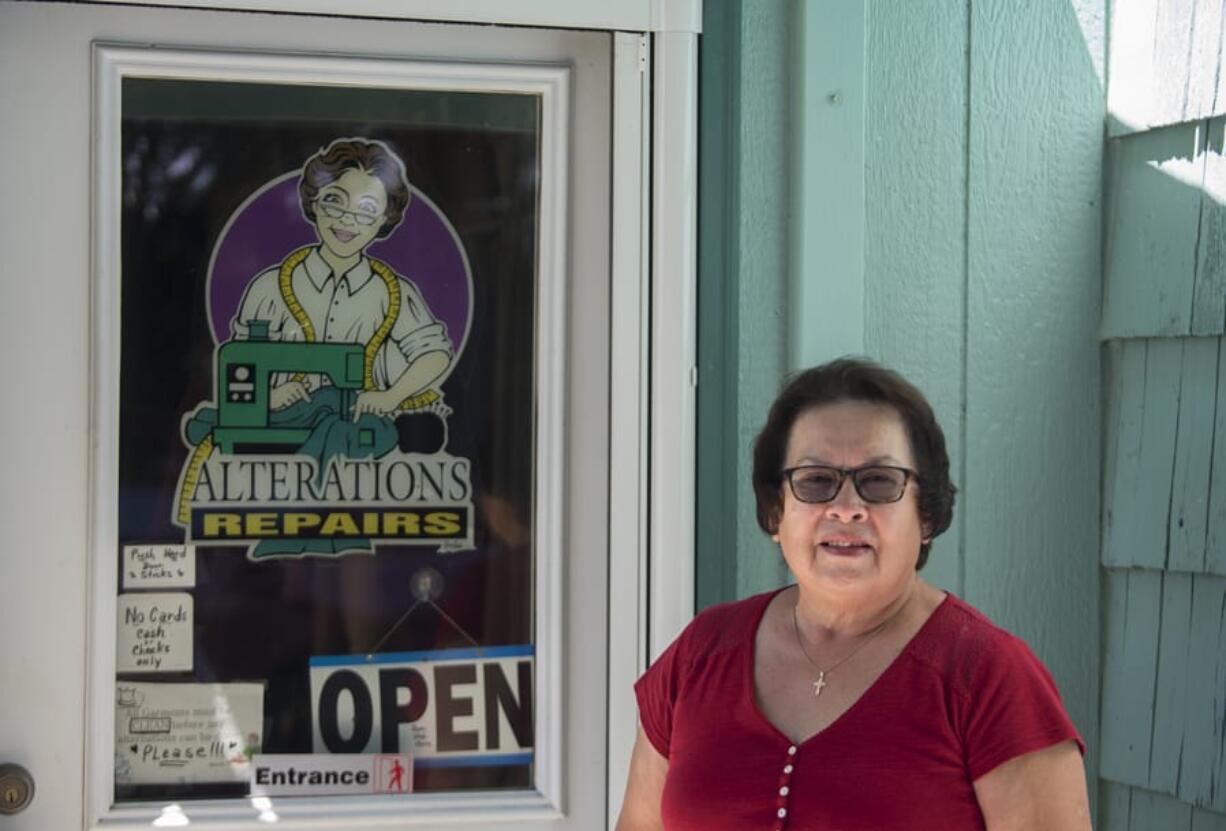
(1166, 421)
(744, 109)
(983, 284)
(1163, 738)
(1164, 684)
(1166, 257)
(1136, 809)
(982, 147)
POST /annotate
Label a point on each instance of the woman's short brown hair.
(855, 379)
(372, 157)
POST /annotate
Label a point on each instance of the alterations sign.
(449, 708)
(327, 430)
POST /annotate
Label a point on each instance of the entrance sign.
(450, 708)
(322, 775)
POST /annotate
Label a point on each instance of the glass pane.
(326, 438)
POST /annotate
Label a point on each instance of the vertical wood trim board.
(1133, 609)
(1188, 524)
(1215, 535)
(915, 255)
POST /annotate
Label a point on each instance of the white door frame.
(650, 16)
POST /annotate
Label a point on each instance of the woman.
(862, 697)
(353, 192)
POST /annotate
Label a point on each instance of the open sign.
(448, 707)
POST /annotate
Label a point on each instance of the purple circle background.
(270, 225)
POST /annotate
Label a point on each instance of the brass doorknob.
(16, 789)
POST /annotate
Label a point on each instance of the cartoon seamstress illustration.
(333, 355)
(354, 192)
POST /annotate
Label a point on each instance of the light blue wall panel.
(1033, 413)
(826, 297)
(1164, 684)
(1130, 664)
(1165, 481)
(915, 193)
(1164, 681)
(1215, 540)
(1121, 360)
(766, 43)
(1115, 806)
(1152, 812)
(1128, 808)
(1200, 780)
(1152, 226)
(742, 289)
(1203, 820)
(1187, 527)
(1171, 687)
(1136, 516)
(718, 493)
(1209, 295)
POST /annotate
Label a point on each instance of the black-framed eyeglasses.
(876, 484)
(336, 212)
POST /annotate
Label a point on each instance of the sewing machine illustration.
(245, 370)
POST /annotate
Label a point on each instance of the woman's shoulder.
(726, 625)
(958, 615)
(963, 644)
(1001, 699)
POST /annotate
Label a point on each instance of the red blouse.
(962, 697)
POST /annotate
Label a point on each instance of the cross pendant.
(819, 683)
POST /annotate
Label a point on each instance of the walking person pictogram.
(396, 782)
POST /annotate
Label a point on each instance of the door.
(253, 572)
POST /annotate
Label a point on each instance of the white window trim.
(624, 15)
(113, 63)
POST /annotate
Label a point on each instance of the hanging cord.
(423, 601)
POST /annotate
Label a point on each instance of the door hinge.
(642, 54)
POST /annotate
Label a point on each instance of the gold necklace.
(820, 683)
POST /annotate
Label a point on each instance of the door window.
(328, 435)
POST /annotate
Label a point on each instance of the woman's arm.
(644, 787)
(418, 375)
(1040, 791)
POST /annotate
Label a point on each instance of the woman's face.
(350, 211)
(848, 549)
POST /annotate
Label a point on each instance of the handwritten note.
(182, 733)
(159, 566)
(154, 632)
